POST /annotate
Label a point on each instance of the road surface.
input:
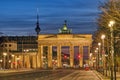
(54, 75)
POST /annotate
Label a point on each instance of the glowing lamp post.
(103, 52)
(99, 55)
(103, 37)
(97, 63)
(111, 24)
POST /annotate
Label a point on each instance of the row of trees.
(110, 10)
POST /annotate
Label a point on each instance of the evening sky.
(18, 17)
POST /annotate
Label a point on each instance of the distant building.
(19, 43)
(9, 46)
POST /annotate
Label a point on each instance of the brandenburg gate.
(63, 38)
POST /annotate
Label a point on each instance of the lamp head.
(13, 55)
(4, 54)
(103, 36)
(96, 48)
(99, 44)
(111, 23)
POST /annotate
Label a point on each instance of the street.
(62, 74)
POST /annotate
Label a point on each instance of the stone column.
(34, 61)
(59, 64)
(71, 56)
(20, 61)
(40, 57)
(88, 50)
(27, 61)
(25, 66)
(89, 54)
(81, 56)
(50, 56)
(23, 63)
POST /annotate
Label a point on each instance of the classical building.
(22, 43)
(18, 51)
(37, 52)
(63, 38)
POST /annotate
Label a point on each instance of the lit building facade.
(64, 38)
(20, 51)
(31, 49)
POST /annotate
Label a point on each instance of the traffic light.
(65, 57)
(78, 56)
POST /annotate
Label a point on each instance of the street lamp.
(9, 63)
(4, 54)
(103, 52)
(103, 37)
(99, 55)
(97, 58)
(12, 55)
(111, 23)
(106, 57)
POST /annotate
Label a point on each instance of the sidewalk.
(103, 77)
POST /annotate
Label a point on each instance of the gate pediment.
(65, 39)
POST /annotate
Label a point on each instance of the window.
(9, 50)
(5, 45)
(10, 45)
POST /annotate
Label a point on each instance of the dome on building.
(64, 29)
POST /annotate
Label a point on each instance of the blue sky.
(18, 17)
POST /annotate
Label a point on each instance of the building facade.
(18, 51)
(59, 40)
(63, 38)
(37, 51)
